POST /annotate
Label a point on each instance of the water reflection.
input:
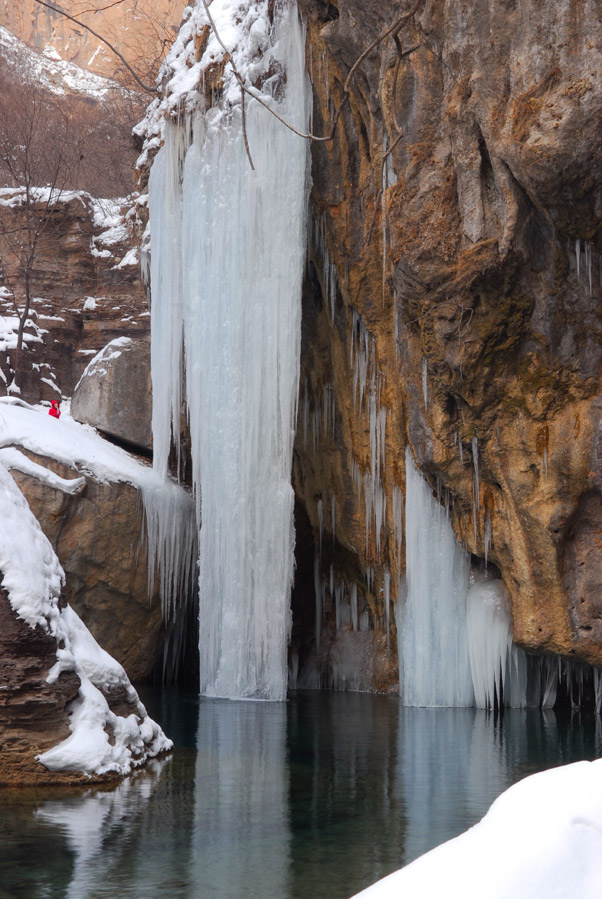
(241, 840)
(92, 826)
(317, 797)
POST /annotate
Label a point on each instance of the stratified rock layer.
(33, 716)
(455, 283)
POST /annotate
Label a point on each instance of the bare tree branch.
(392, 30)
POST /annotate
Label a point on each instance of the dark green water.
(316, 797)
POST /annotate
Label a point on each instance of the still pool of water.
(316, 797)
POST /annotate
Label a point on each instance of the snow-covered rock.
(102, 741)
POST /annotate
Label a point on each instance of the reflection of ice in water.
(88, 822)
(455, 762)
(241, 841)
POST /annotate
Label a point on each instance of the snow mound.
(542, 837)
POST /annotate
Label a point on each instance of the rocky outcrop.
(33, 716)
(96, 535)
(453, 302)
(114, 392)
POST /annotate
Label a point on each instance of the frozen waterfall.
(227, 256)
(454, 629)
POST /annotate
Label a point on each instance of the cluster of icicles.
(455, 628)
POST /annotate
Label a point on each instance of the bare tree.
(40, 156)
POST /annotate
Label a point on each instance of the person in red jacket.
(54, 409)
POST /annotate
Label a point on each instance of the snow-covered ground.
(33, 579)
(541, 838)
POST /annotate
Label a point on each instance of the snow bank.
(542, 837)
(100, 742)
(78, 446)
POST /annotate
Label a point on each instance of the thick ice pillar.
(433, 646)
(228, 248)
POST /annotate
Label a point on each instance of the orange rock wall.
(457, 212)
(140, 29)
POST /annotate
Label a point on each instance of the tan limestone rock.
(114, 393)
(97, 538)
(468, 289)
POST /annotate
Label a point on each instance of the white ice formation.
(455, 627)
(433, 646)
(227, 255)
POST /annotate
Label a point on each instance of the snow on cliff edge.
(33, 578)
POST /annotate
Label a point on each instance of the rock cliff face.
(454, 301)
(86, 291)
(98, 537)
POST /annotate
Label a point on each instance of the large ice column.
(433, 647)
(228, 248)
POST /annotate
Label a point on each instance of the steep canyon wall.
(452, 304)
